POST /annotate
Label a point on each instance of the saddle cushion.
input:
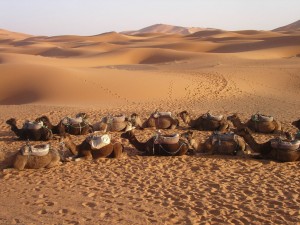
(217, 137)
(261, 118)
(118, 118)
(71, 121)
(98, 142)
(159, 114)
(35, 150)
(212, 117)
(33, 125)
(285, 145)
(166, 139)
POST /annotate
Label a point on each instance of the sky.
(90, 17)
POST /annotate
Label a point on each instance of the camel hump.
(285, 145)
(33, 125)
(166, 139)
(161, 114)
(210, 116)
(261, 118)
(98, 141)
(35, 150)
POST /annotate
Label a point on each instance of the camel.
(206, 122)
(268, 126)
(296, 124)
(163, 121)
(68, 125)
(85, 150)
(268, 150)
(217, 143)
(27, 160)
(150, 147)
(113, 123)
(30, 131)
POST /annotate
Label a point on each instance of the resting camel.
(206, 122)
(30, 131)
(288, 152)
(161, 122)
(151, 148)
(85, 151)
(67, 125)
(217, 143)
(296, 124)
(271, 126)
(113, 123)
(21, 161)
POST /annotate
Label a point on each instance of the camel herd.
(230, 137)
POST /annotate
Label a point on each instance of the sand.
(219, 71)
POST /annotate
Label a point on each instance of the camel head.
(11, 122)
(83, 115)
(289, 136)
(65, 138)
(183, 114)
(128, 135)
(135, 120)
(233, 117)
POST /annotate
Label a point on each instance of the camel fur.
(162, 122)
(213, 145)
(42, 134)
(203, 123)
(256, 126)
(151, 148)
(85, 151)
(266, 150)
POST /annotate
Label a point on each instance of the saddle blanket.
(212, 117)
(35, 150)
(159, 114)
(285, 145)
(98, 142)
(216, 137)
(166, 139)
(33, 125)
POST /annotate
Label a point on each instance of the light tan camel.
(22, 161)
(113, 123)
(257, 125)
(206, 122)
(217, 143)
(274, 149)
(160, 122)
(85, 151)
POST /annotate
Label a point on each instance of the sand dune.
(223, 72)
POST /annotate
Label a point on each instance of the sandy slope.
(220, 71)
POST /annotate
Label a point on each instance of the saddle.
(166, 139)
(218, 138)
(160, 114)
(98, 141)
(33, 125)
(118, 118)
(71, 121)
(212, 117)
(35, 150)
(277, 143)
(261, 118)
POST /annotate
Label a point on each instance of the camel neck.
(15, 129)
(138, 145)
(237, 123)
(252, 143)
(72, 147)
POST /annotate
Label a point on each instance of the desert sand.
(223, 72)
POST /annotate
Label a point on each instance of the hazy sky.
(88, 17)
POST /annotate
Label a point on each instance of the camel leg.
(54, 162)
(117, 151)
(20, 162)
(223, 127)
(278, 128)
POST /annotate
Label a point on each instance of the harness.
(160, 147)
(217, 139)
(76, 125)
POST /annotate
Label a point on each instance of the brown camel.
(206, 122)
(268, 150)
(85, 151)
(68, 125)
(150, 147)
(217, 143)
(30, 131)
(159, 122)
(256, 125)
(113, 123)
(21, 161)
(296, 124)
